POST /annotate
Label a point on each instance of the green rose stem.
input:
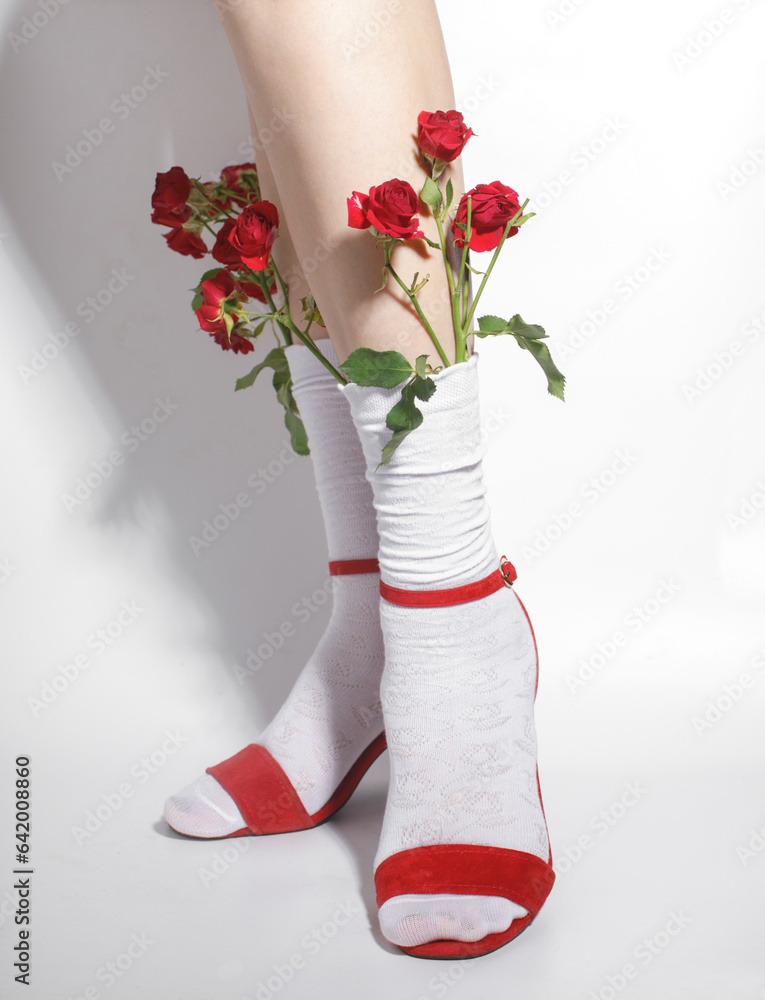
(490, 268)
(463, 263)
(288, 325)
(412, 296)
(453, 292)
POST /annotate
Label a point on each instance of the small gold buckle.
(509, 580)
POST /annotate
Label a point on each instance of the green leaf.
(555, 380)
(431, 243)
(494, 325)
(474, 270)
(530, 331)
(449, 195)
(298, 436)
(274, 359)
(384, 369)
(423, 388)
(431, 194)
(403, 418)
(419, 365)
(197, 301)
(491, 324)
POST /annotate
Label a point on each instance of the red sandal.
(466, 869)
(257, 783)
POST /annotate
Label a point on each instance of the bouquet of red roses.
(485, 218)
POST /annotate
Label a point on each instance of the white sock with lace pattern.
(333, 712)
(459, 681)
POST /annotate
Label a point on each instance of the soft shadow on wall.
(95, 99)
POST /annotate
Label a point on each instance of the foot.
(464, 848)
(460, 729)
(331, 716)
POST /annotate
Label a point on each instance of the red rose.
(492, 207)
(232, 341)
(442, 134)
(212, 315)
(182, 241)
(215, 292)
(253, 290)
(171, 192)
(242, 178)
(223, 252)
(391, 208)
(254, 234)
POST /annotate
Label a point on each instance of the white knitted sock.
(458, 686)
(333, 712)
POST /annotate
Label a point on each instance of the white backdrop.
(633, 512)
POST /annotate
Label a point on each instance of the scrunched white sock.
(459, 681)
(333, 712)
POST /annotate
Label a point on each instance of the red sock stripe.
(490, 584)
(343, 567)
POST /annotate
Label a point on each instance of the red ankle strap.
(343, 567)
(505, 576)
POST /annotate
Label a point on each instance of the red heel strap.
(505, 576)
(343, 567)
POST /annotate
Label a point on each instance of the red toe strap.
(262, 791)
(467, 870)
